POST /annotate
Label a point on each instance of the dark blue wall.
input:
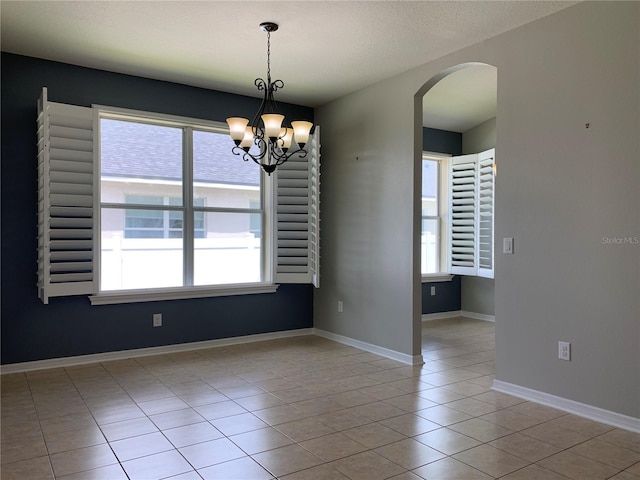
(441, 141)
(447, 297)
(71, 326)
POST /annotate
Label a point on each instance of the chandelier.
(276, 142)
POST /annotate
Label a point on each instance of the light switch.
(507, 245)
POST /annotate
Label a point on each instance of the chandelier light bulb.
(237, 127)
(272, 124)
(301, 131)
(247, 140)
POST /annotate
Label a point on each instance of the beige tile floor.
(303, 408)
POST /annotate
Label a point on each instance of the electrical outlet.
(433, 290)
(564, 351)
(157, 319)
(340, 306)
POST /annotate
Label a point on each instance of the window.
(256, 222)
(137, 206)
(430, 231)
(155, 224)
(457, 215)
(159, 229)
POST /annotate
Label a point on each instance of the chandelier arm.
(260, 84)
(271, 106)
(276, 85)
(282, 157)
(275, 157)
(255, 123)
(241, 152)
(248, 156)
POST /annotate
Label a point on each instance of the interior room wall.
(441, 141)
(71, 326)
(480, 138)
(446, 297)
(565, 194)
(478, 293)
(477, 296)
(367, 219)
(566, 189)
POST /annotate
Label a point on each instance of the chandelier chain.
(268, 56)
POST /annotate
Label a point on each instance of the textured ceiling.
(323, 49)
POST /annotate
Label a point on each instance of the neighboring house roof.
(137, 150)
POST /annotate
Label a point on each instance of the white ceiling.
(462, 100)
(323, 49)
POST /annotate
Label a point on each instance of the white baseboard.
(144, 352)
(570, 406)
(369, 347)
(478, 316)
(426, 317)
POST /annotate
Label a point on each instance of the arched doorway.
(458, 117)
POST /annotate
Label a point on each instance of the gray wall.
(367, 219)
(480, 138)
(562, 191)
(477, 293)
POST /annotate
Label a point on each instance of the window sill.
(437, 277)
(180, 293)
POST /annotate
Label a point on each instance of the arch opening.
(455, 114)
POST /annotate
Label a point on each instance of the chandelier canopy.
(276, 142)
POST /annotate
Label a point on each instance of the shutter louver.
(486, 193)
(297, 216)
(65, 199)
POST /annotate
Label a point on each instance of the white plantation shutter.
(65, 199)
(297, 220)
(462, 208)
(486, 193)
(314, 208)
(471, 213)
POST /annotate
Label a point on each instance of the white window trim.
(185, 291)
(159, 118)
(180, 293)
(437, 277)
(443, 184)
